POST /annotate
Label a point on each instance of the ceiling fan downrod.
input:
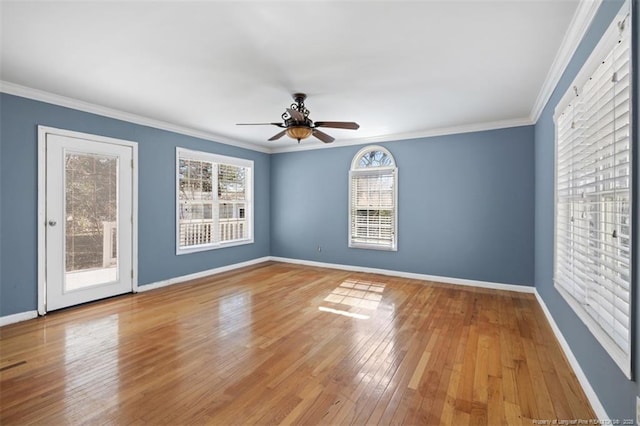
(298, 105)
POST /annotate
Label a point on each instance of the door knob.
(52, 223)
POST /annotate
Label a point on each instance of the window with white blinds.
(373, 200)
(593, 194)
(213, 201)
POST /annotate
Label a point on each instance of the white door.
(88, 219)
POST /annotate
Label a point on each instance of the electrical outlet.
(638, 410)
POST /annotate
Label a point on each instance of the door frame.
(43, 131)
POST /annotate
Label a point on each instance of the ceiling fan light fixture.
(299, 132)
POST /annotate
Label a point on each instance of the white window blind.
(213, 198)
(593, 194)
(373, 200)
(231, 201)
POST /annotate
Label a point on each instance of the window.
(593, 194)
(373, 200)
(214, 207)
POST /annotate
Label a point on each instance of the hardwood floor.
(280, 343)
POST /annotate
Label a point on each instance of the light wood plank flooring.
(280, 343)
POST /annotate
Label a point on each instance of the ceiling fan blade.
(260, 124)
(278, 135)
(322, 136)
(338, 124)
(295, 115)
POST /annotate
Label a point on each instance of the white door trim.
(43, 131)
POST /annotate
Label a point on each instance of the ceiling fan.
(298, 125)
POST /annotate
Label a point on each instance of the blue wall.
(465, 206)
(447, 185)
(614, 390)
(156, 197)
(465, 209)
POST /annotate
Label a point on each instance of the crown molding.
(51, 98)
(443, 131)
(580, 22)
(63, 101)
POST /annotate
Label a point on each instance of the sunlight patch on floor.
(355, 294)
(343, 313)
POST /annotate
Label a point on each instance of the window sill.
(621, 359)
(206, 247)
(372, 247)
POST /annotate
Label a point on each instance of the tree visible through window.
(91, 183)
(209, 218)
(373, 199)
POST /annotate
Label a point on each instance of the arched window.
(373, 213)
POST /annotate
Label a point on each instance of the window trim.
(354, 171)
(249, 205)
(603, 48)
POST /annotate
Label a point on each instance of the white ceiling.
(399, 69)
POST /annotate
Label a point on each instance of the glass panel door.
(89, 219)
(91, 225)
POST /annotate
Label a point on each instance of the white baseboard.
(201, 274)
(582, 378)
(22, 316)
(423, 277)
